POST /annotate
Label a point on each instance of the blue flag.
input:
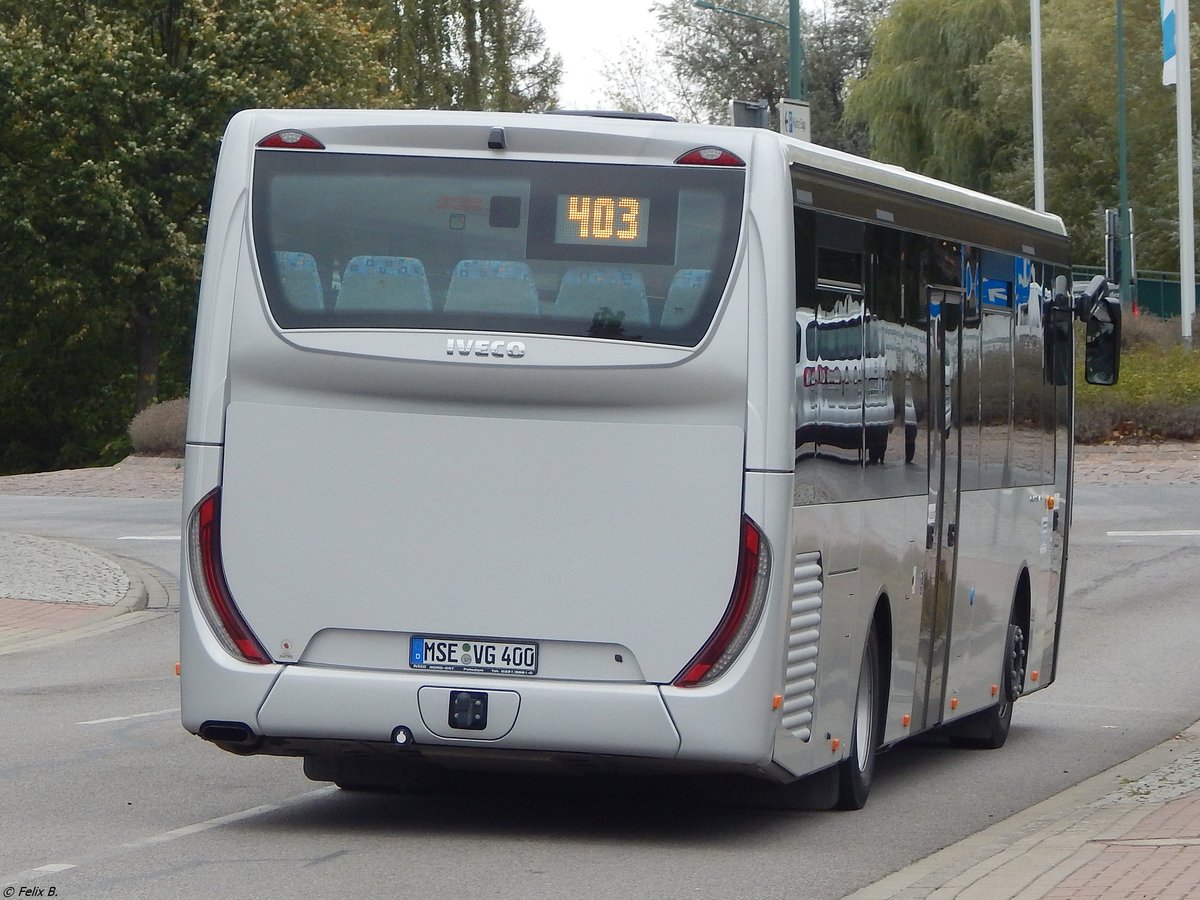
(1167, 8)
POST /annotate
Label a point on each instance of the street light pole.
(1039, 153)
(1127, 276)
(797, 89)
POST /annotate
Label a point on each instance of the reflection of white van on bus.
(490, 459)
(843, 381)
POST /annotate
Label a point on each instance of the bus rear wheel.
(988, 730)
(858, 769)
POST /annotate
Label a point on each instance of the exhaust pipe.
(236, 737)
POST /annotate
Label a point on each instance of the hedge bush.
(160, 429)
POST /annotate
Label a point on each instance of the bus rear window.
(615, 251)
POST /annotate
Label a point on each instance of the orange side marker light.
(176, 668)
(777, 701)
(1033, 675)
(954, 703)
(835, 744)
(906, 720)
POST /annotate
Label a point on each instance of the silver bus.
(496, 453)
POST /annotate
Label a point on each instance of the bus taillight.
(742, 614)
(208, 580)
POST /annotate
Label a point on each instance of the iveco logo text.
(480, 347)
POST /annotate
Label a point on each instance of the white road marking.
(150, 537)
(108, 853)
(157, 712)
(187, 830)
(1182, 532)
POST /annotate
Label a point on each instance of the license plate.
(458, 654)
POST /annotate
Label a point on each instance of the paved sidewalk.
(1170, 462)
(145, 477)
(1130, 832)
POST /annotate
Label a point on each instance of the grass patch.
(1158, 395)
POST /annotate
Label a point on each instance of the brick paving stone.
(37, 618)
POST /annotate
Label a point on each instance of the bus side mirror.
(1102, 359)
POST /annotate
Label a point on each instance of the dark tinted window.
(616, 251)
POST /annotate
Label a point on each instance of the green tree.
(466, 54)
(722, 56)
(919, 96)
(713, 56)
(110, 117)
(838, 42)
(1080, 125)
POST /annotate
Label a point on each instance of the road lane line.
(157, 712)
(188, 830)
(1183, 532)
(146, 843)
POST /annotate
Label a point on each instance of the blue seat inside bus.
(683, 296)
(492, 286)
(584, 292)
(384, 283)
(300, 280)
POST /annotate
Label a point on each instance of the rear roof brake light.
(290, 139)
(710, 156)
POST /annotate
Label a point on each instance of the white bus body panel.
(587, 496)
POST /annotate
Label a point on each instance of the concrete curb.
(125, 610)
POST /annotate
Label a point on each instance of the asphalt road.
(102, 794)
(141, 529)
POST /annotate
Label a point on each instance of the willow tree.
(919, 96)
(1080, 113)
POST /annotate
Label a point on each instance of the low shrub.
(160, 429)
(1157, 396)
(1143, 332)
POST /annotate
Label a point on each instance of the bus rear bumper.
(321, 704)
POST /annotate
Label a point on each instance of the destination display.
(598, 220)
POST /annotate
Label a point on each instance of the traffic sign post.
(795, 119)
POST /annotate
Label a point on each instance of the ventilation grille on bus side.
(799, 691)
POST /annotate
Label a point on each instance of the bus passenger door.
(943, 359)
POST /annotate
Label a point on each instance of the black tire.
(988, 730)
(857, 770)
